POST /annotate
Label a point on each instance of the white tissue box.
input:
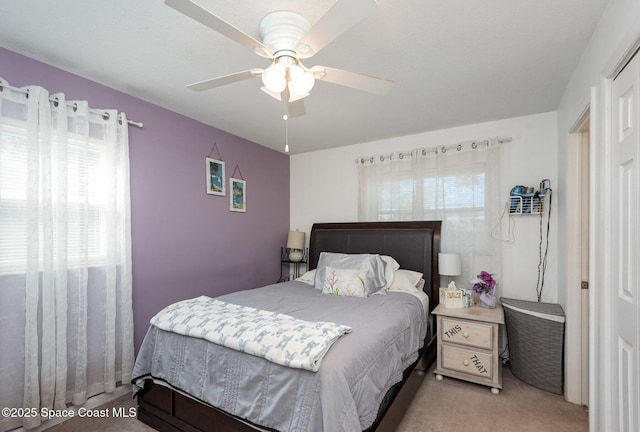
(454, 299)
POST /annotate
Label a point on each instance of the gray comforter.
(345, 393)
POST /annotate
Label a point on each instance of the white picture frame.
(215, 177)
(238, 195)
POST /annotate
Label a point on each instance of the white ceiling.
(454, 62)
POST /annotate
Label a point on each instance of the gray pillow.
(375, 282)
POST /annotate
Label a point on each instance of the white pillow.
(413, 276)
(402, 283)
(390, 267)
(345, 282)
(407, 280)
(308, 277)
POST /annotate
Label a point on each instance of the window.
(81, 193)
(459, 187)
(64, 207)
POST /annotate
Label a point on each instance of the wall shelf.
(525, 204)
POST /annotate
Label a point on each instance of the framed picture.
(215, 177)
(238, 196)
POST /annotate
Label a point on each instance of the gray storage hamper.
(536, 341)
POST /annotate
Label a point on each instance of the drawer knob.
(465, 334)
(465, 362)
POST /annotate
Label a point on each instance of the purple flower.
(484, 283)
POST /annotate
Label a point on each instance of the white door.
(625, 198)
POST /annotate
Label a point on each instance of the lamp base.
(295, 255)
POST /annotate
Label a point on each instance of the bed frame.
(415, 245)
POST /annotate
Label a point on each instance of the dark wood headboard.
(415, 245)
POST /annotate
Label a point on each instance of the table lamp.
(450, 264)
(295, 245)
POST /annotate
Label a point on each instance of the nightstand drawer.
(467, 333)
(471, 362)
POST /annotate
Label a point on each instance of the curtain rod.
(435, 149)
(54, 100)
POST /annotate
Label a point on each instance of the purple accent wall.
(185, 243)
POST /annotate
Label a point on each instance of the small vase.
(489, 299)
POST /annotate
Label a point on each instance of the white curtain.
(458, 184)
(66, 318)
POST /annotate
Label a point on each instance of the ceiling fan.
(288, 39)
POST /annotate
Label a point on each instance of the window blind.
(83, 201)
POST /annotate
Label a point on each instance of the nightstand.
(285, 260)
(469, 344)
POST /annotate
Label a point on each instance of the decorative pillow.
(345, 282)
(309, 277)
(374, 279)
(390, 267)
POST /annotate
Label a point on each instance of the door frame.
(576, 377)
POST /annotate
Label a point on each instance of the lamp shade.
(449, 264)
(295, 240)
(274, 78)
(301, 81)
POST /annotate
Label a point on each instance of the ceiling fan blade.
(340, 18)
(203, 16)
(354, 80)
(295, 108)
(224, 80)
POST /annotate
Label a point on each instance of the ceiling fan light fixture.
(287, 38)
(302, 83)
(274, 78)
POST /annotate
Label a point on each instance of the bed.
(169, 403)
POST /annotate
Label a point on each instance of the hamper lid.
(549, 311)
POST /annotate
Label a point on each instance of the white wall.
(617, 31)
(324, 188)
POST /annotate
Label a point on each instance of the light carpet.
(439, 406)
(452, 405)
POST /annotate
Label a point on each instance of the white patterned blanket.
(279, 338)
